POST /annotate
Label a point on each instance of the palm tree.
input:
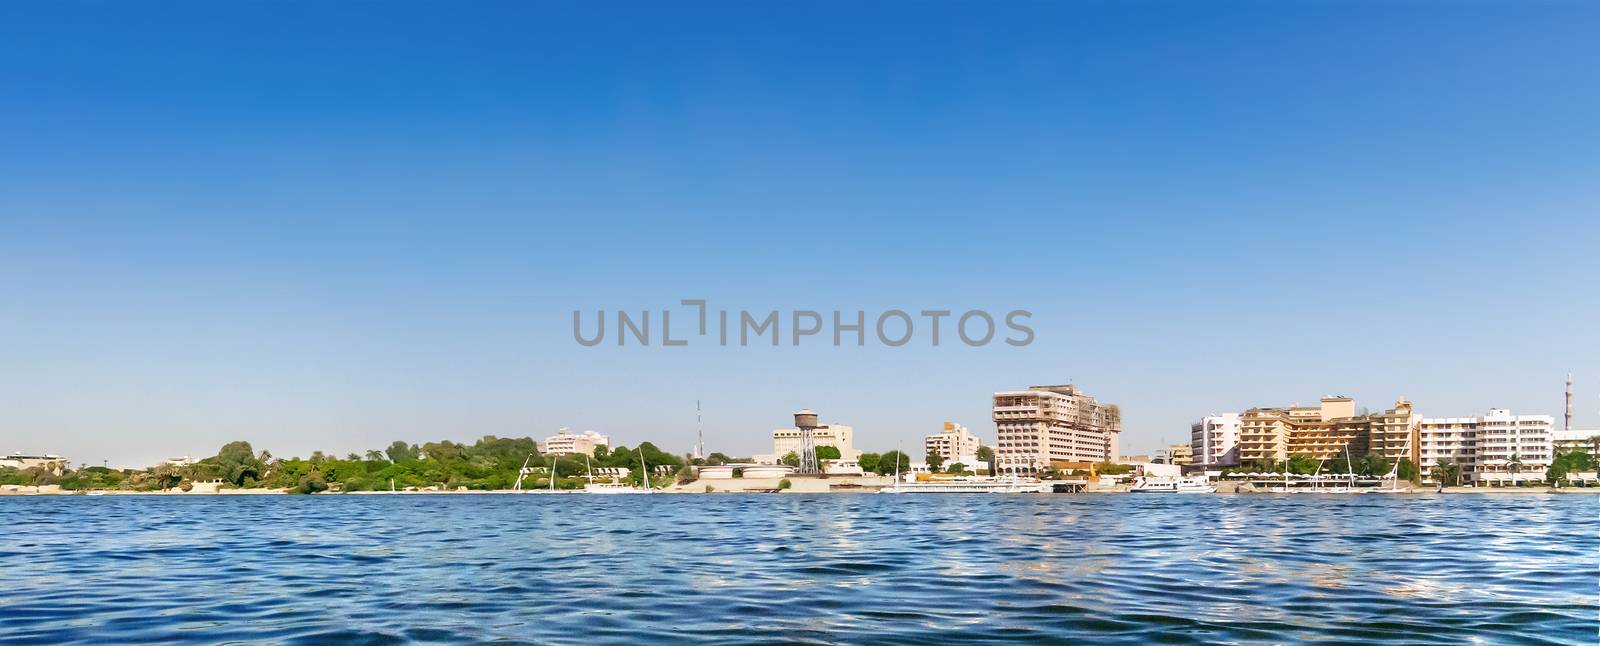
(1447, 469)
(1515, 464)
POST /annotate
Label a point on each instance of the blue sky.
(331, 225)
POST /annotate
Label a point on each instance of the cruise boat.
(1198, 484)
(970, 485)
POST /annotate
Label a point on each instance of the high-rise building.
(1042, 425)
(1214, 440)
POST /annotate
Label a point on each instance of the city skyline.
(316, 228)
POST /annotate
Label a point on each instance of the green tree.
(887, 463)
(1515, 466)
(1372, 465)
(312, 483)
(935, 462)
(166, 476)
(957, 468)
(986, 456)
(869, 462)
(239, 463)
(1408, 471)
(1302, 464)
(791, 458)
(399, 452)
(828, 453)
(1446, 470)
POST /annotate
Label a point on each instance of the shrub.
(785, 484)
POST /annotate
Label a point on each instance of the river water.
(840, 568)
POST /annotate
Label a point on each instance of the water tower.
(806, 421)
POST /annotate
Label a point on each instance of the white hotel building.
(1214, 440)
(1486, 447)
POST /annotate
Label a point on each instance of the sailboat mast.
(644, 470)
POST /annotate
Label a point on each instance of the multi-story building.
(1513, 449)
(1576, 440)
(1395, 433)
(1180, 454)
(565, 442)
(954, 444)
(1448, 439)
(1042, 425)
(787, 440)
(1330, 431)
(1214, 440)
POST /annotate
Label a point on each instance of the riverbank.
(868, 484)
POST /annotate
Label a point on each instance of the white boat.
(1198, 484)
(970, 485)
(613, 488)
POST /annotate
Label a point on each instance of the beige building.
(1331, 430)
(54, 464)
(787, 440)
(1448, 438)
(1042, 425)
(1180, 454)
(565, 442)
(955, 444)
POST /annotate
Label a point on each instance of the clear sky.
(319, 225)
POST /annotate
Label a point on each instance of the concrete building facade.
(1331, 430)
(52, 463)
(1049, 424)
(1452, 439)
(1214, 440)
(1513, 449)
(955, 444)
(565, 442)
(787, 440)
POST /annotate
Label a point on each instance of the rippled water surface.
(795, 568)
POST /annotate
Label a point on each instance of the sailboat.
(620, 487)
(1391, 482)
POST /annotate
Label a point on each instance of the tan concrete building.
(1180, 454)
(1396, 433)
(1329, 431)
(1042, 425)
(54, 464)
(787, 440)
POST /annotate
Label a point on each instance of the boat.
(618, 487)
(970, 485)
(1196, 484)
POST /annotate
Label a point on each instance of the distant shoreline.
(688, 489)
